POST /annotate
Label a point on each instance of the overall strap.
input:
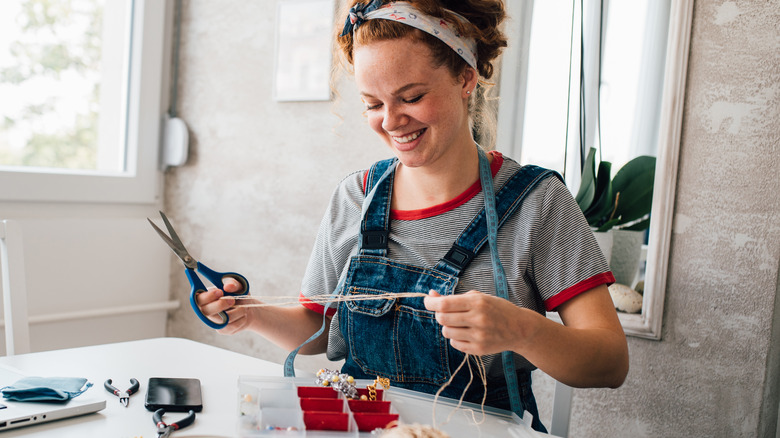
(373, 240)
(507, 201)
(375, 222)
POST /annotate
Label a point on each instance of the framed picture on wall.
(303, 50)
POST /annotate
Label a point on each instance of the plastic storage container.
(290, 407)
(296, 407)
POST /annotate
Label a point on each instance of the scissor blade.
(176, 247)
(172, 232)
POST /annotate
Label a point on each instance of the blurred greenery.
(41, 51)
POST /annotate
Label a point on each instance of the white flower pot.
(626, 252)
(605, 239)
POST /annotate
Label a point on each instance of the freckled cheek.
(375, 122)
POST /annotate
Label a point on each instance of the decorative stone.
(625, 299)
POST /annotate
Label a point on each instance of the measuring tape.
(289, 362)
(499, 277)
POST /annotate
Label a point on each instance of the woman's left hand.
(479, 324)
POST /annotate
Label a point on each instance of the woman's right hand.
(214, 301)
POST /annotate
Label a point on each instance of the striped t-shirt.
(546, 247)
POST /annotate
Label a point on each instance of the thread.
(413, 430)
(321, 299)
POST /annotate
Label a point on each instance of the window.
(82, 82)
(633, 50)
(645, 56)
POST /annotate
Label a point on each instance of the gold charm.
(384, 382)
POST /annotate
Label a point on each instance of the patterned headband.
(405, 13)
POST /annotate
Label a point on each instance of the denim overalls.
(398, 338)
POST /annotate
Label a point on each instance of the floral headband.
(405, 13)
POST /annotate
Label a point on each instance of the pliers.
(164, 430)
(124, 396)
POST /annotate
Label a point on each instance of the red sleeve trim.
(319, 308)
(567, 294)
(365, 181)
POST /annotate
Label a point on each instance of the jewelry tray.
(298, 407)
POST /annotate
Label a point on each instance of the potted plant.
(618, 209)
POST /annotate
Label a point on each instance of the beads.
(341, 382)
(281, 428)
(346, 384)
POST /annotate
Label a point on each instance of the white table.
(218, 371)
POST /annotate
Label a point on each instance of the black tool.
(164, 430)
(124, 396)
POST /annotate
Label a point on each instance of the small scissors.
(164, 430)
(124, 396)
(192, 266)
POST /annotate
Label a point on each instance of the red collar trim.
(410, 215)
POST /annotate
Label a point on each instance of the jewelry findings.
(341, 382)
(345, 384)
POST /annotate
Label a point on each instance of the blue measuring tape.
(289, 362)
(499, 277)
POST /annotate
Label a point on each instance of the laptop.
(20, 414)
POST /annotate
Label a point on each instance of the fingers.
(231, 285)
(474, 322)
(212, 303)
(451, 303)
(238, 321)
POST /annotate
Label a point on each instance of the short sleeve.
(565, 257)
(335, 244)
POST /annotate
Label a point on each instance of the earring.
(468, 91)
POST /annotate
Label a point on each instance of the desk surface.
(218, 370)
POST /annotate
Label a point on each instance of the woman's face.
(420, 111)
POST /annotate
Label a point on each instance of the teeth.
(408, 138)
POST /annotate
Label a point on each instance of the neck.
(423, 187)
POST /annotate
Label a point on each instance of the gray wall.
(261, 172)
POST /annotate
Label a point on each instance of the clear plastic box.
(297, 407)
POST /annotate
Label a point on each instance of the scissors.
(193, 267)
(164, 429)
(124, 396)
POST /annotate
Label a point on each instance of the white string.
(384, 296)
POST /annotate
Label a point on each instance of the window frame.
(141, 182)
(512, 82)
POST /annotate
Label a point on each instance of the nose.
(394, 118)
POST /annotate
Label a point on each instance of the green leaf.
(603, 201)
(608, 225)
(587, 188)
(634, 184)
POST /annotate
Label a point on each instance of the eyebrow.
(398, 91)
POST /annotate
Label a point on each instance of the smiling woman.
(420, 233)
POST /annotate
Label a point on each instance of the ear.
(470, 78)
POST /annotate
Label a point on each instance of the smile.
(407, 138)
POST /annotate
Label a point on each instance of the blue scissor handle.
(216, 279)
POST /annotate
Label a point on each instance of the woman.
(416, 224)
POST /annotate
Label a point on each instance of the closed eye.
(414, 99)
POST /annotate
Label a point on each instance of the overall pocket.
(395, 337)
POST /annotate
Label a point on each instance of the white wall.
(262, 172)
(95, 273)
